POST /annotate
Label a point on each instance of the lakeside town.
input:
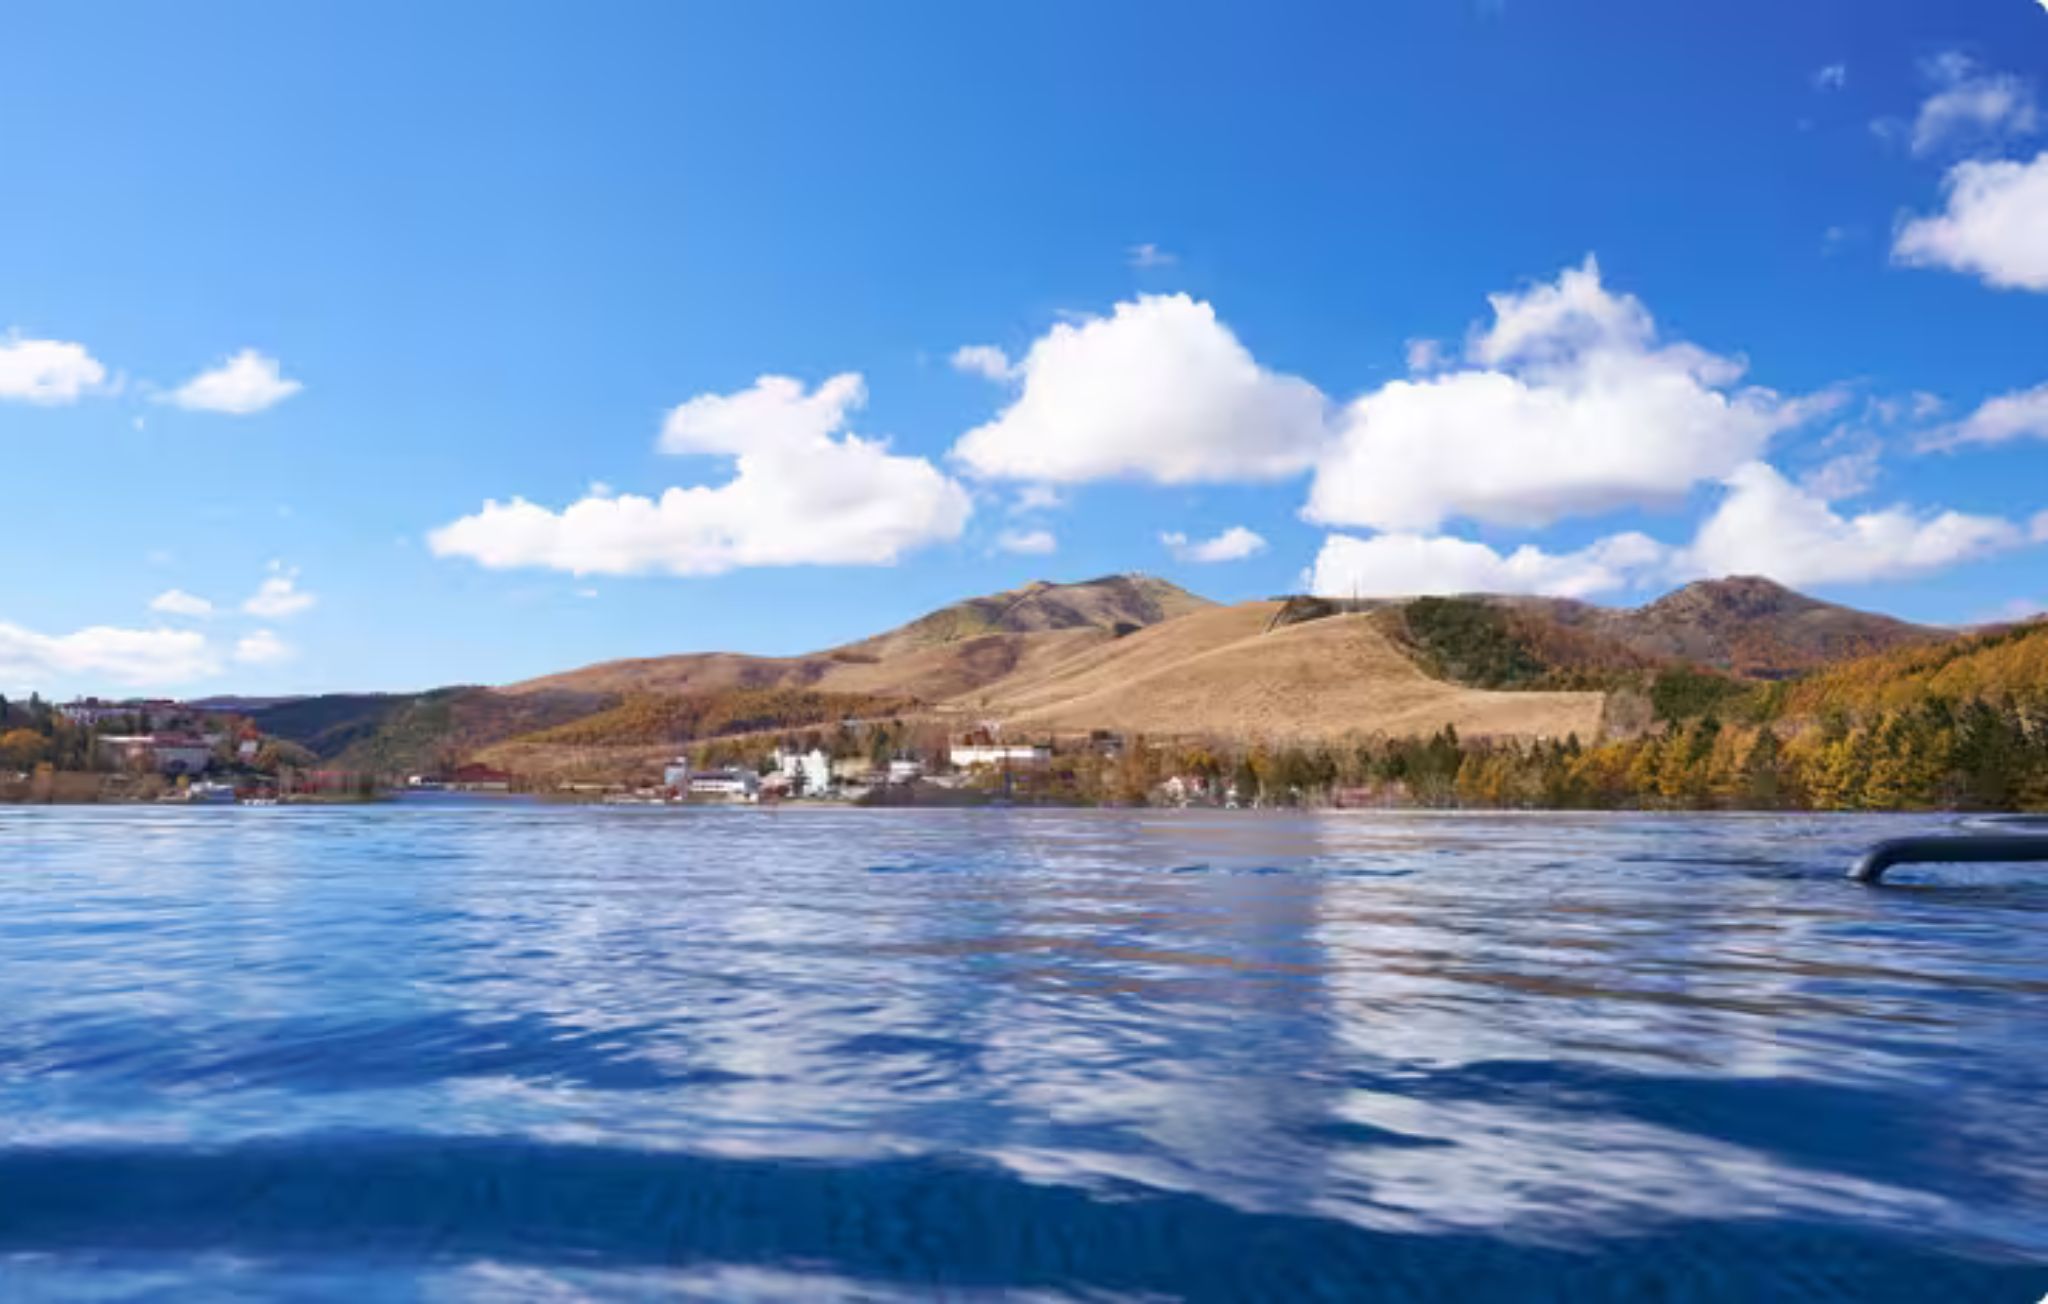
(1718, 754)
(161, 750)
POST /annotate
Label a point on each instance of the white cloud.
(1972, 107)
(775, 413)
(262, 648)
(985, 360)
(1831, 78)
(798, 496)
(1847, 475)
(1995, 225)
(1037, 498)
(1145, 256)
(1234, 544)
(2038, 531)
(1160, 390)
(246, 383)
(1571, 406)
(278, 596)
(1414, 565)
(46, 372)
(1425, 356)
(1028, 543)
(2019, 415)
(128, 657)
(1768, 526)
(177, 602)
(1764, 525)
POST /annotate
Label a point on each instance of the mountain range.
(1131, 654)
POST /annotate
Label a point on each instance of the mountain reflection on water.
(507, 1051)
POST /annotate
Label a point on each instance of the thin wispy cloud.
(1972, 106)
(177, 602)
(1147, 256)
(1027, 543)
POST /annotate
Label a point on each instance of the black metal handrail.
(1970, 849)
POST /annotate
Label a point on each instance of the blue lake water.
(515, 1052)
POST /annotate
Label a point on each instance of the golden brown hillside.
(944, 654)
(2004, 666)
(1228, 671)
(1742, 624)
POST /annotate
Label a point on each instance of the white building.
(905, 771)
(677, 774)
(817, 772)
(726, 785)
(810, 772)
(968, 756)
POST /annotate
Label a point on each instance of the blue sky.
(301, 300)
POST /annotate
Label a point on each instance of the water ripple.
(516, 1051)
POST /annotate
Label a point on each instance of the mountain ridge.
(1137, 653)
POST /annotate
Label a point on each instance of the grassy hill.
(1117, 604)
(1235, 671)
(937, 656)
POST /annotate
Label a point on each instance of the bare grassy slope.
(1220, 671)
(949, 652)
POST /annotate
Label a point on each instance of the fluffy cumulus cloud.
(802, 493)
(1766, 525)
(1568, 404)
(246, 383)
(1994, 225)
(261, 648)
(1416, 565)
(47, 372)
(1972, 107)
(1233, 544)
(775, 412)
(134, 658)
(279, 595)
(1159, 390)
(2021, 415)
(1028, 543)
(177, 602)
